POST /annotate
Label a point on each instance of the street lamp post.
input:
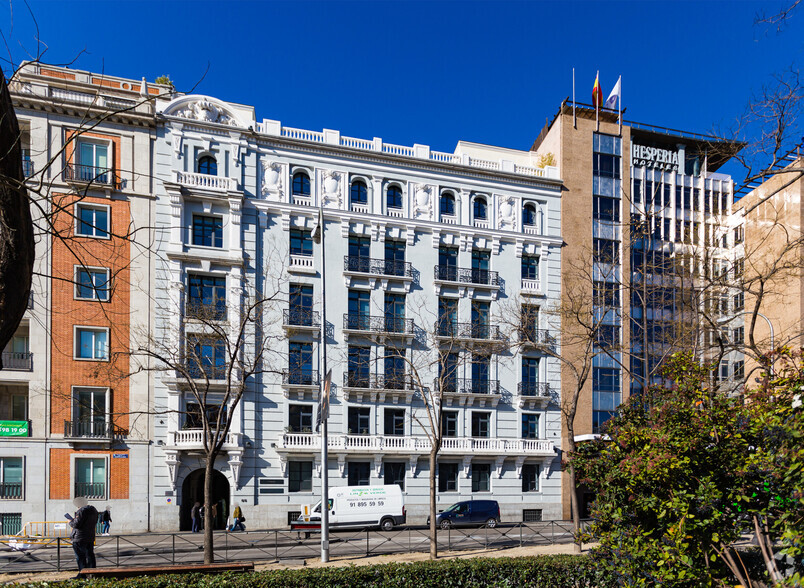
(318, 237)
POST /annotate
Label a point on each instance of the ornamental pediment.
(203, 109)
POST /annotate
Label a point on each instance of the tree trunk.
(574, 509)
(433, 526)
(16, 227)
(209, 523)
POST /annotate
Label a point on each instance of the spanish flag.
(597, 93)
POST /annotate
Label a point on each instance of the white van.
(358, 506)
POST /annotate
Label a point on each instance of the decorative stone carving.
(422, 207)
(205, 111)
(173, 463)
(507, 213)
(271, 179)
(378, 464)
(178, 138)
(330, 186)
(235, 463)
(414, 462)
(467, 466)
(498, 465)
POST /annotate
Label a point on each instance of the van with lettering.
(358, 507)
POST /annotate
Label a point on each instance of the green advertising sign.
(13, 428)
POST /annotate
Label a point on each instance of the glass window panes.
(481, 424)
(300, 418)
(479, 209)
(359, 366)
(300, 363)
(529, 215)
(206, 296)
(92, 284)
(93, 221)
(359, 473)
(530, 425)
(93, 164)
(207, 358)
(530, 267)
(359, 246)
(208, 165)
(394, 473)
(91, 343)
(447, 477)
(394, 197)
(19, 407)
(10, 478)
(207, 231)
(530, 477)
(301, 184)
(449, 423)
(481, 477)
(301, 242)
(358, 193)
(447, 204)
(359, 420)
(395, 421)
(300, 476)
(90, 477)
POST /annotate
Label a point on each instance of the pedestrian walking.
(195, 513)
(106, 519)
(83, 534)
(237, 520)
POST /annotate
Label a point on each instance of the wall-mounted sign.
(14, 429)
(120, 455)
(642, 156)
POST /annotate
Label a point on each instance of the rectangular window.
(447, 316)
(213, 409)
(92, 284)
(359, 473)
(530, 477)
(480, 374)
(739, 235)
(447, 477)
(606, 251)
(90, 477)
(91, 343)
(531, 515)
(739, 301)
(395, 421)
(394, 313)
(300, 363)
(206, 297)
(19, 407)
(90, 412)
(739, 369)
(358, 366)
(606, 166)
(360, 247)
(207, 358)
(530, 267)
(207, 231)
(738, 335)
(607, 294)
(93, 162)
(481, 477)
(480, 319)
(395, 258)
(394, 369)
(11, 478)
(606, 209)
(301, 242)
(637, 196)
(92, 221)
(530, 425)
(448, 263)
(481, 424)
(448, 372)
(529, 324)
(449, 423)
(395, 473)
(301, 305)
(359, 420)
(300, 418)
(300, 476)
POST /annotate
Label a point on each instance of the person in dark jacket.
(83, 534)
(106, 519)
(195, 514)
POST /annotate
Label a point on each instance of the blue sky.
(429, 72)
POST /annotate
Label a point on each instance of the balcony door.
(394, 313)
(480, 374)
(90, 412)
(480, 266)
(359, 365)
(359, 309)
(300, 363)
(448, 263)
(448, 368)
(480, 319)
(93, 162)
(301, 305)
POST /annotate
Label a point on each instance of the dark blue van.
(470, 512)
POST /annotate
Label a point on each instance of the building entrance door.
(192, 491)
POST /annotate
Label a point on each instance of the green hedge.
(534, 572)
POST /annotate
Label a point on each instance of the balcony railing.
(194, 439)
(22, 361)
(10, 491)
(540, 389)
(475, 330)
(468, 386)
(212, 311)
(377, 267)
(303, 263)
(534, 336)
(301, 317)
(76, 172)
(203, 372)
(377, 381)
(300, 377)
(378, 324)
(463, 275)
(93, 430)
(206, 181)
(96, 490)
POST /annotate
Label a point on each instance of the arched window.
(359, 193)
(301, 184)
(480, 208)
(447, 204)
(529, 215)
(393, 197)
(208, 166)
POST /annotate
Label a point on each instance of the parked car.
(468, 513)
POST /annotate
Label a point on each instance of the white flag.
(611, 101)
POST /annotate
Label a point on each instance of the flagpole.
(620, 105)
(574, 119)
(596, 99)
(324, 403)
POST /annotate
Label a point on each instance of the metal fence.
(277, 545)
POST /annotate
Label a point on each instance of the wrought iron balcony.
(21, 361)
(377, 267)
(476, 330)
(80, 429)
(90, 174)
(96, 490)
(212, 311)
(300, 317)
(533, 336)
(479, 277)
(10, 491)
(378, 324)
(468, 386)
(539, 389)
(300, 377)
(206, 372)
(377, 381)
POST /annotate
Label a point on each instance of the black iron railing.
(449, 273)
(94, 490)
(541, 389)
(93, 430)
(11, 491)
(301, 317)
(213, 311)
(476, 330)
(469, 385)
(377, 381)
(13, 360)
(378, 324)
(533, 336)
(205, 371)
(378, 267)
(77, 172)
(300, 377)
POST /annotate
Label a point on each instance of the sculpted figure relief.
(206, 111)
(271, 178)
(421, 205)
(507, 213)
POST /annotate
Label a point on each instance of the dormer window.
(208, 166)
(480, 209)
(301, 184)
(358, 193)
(393, 197)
